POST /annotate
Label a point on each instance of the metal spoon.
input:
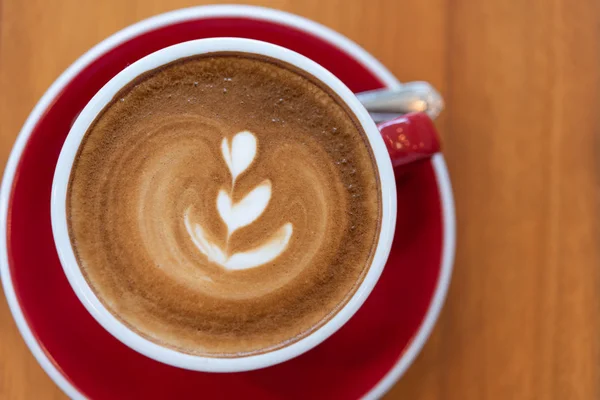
(387, 104)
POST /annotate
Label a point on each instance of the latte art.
(238, 158)
(224, 205)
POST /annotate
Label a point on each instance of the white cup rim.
(167, 355)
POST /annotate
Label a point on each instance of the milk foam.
(238, 158)
(224, 223)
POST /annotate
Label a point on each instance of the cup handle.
(409, 138)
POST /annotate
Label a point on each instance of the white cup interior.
(167, 355)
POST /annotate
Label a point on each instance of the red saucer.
(87, 361)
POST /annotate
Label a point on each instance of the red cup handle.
(410, 138)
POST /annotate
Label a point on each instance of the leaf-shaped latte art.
(238, 158)
(240, 155)
(246, 210)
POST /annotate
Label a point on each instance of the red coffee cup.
(406, 139)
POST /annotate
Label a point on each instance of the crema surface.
(224, 205)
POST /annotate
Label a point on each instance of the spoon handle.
(386, 104)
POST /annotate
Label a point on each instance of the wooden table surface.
(521, 135)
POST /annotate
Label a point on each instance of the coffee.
(224, 205)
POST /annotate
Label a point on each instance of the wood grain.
(522, 84)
